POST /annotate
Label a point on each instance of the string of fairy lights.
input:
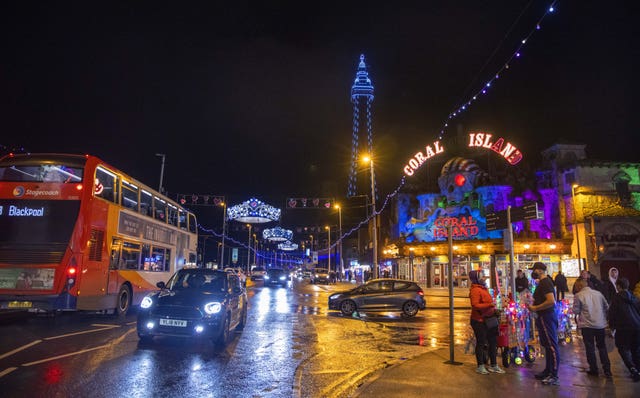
(461, 108)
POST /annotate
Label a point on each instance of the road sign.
(528, 211)
(496, 220)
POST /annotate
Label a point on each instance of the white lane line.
(77, 333)
(106, 325)
(7, 371)
(131, 323)
(66, 355)
(24, 347)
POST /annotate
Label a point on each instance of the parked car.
(258, 273)
(381, 295)
(238, 271)
(276, 276)
(320, 275)
(194, 302)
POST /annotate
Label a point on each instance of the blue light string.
(495, 76)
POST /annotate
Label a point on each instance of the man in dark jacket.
(522, 282)
(624, 321)
(561, 285)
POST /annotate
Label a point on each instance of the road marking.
(105, 325)
(66, 355)
(77, 333)
(7, 371)
(24, 347)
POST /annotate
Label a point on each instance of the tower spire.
(361, 98)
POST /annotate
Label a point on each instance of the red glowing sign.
(505, 149)
(460, 180)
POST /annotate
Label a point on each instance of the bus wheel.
(124, 301)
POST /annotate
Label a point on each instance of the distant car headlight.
(283, 277)
(266, 277)
(212, 308)
(146, 302)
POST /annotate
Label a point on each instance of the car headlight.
(266, 277)
(212, 308)
(283, 277)
(146, 302)
(334, 296)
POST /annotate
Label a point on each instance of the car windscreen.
(213, 282)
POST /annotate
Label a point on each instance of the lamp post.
(328, 228)
(224, 227)
(255, 250)
(340, 237)
(576, 233)
(375, 216)
(162, 155)
(249, 249)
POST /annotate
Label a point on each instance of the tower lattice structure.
(361, 98)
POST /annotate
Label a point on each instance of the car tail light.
(72, 271)
(420, 293)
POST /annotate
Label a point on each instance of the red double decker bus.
(79, 234)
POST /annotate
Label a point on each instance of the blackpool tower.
(361, 98)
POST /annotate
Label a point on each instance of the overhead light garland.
(288, 246)
(253, 211)
(277, 234)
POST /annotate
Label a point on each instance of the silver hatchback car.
(381, 295)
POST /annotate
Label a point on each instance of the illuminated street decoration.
(362, 98)
(419, 158)
(277, 234)
(507, 150)
(253, 211)
(310, 203)
(288, 246)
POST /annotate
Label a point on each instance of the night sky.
(254, 100)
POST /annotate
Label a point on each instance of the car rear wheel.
(410, 309)
(348, 307)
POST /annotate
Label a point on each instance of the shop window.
(621, 183)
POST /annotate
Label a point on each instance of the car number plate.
(20, 304)
(173, 322)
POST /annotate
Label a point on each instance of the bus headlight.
(146, 302)
(212, 308)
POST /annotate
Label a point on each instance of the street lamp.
(162, 155)
(576, 234)
(224, 225)
(255, 251)
(249, 249)
(369, 159)
(328, 228)
(337, 206)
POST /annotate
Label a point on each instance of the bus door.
(113, 279)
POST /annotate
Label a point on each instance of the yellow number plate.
(20, 304)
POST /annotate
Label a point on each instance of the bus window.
(159, 209)
(116, 245)
(130, 256)
(193, 227)
(105, 185)
(173, 215)
(160, 257)
(146, 203)
(129, 197)
(182, 219)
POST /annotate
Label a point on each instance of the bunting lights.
(277, 234)
(253, 211)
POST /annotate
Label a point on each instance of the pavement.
(432, 374)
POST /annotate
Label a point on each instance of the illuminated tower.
(361, 97)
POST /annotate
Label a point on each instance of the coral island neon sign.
(476, 140)
(419, 158)
(507, 150)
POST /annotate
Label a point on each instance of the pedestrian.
(522, 282)
(624, 321)
(561, 285)
(592, 281)
(482, 308)
(610, 289)
(590, 308)
(544, 305)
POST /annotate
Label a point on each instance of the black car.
(276, 276)
(194, 302)
(381, 295)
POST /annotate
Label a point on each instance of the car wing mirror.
(161, 285)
